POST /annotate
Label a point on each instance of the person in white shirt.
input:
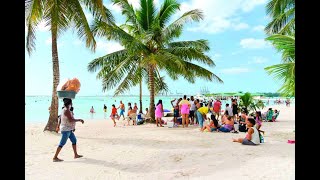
(252, 136)
(229, 110)
(192, 109)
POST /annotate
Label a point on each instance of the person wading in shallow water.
(67, 126)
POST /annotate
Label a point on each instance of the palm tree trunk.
(140, 96)
(53, 117)
(151, 82)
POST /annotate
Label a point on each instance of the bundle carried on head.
(69, 85)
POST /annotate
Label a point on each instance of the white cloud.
(248, 5)
(251, 43)
(108, 47)
(235, 70)
(219, 15)
(241, 26)
(258, 28)
(258, 60)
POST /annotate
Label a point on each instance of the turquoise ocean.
(36, 107)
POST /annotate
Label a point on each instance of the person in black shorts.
(235, 109)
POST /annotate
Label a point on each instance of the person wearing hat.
(67, 126)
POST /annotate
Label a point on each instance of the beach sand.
(148, 152)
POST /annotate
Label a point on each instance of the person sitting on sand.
(228, 123)
(269, 115)
(114, 115)
(252, 136)
(67, 127)
(242, 121)
(212, 126)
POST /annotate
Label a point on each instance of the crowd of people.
(186, 111)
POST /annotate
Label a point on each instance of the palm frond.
(168, 8)
(81, 23)
(281, 23)
(284, 44)
(128, 10)
(146, 14)
(57, 16)
(113, 59)
(98, 10)
(113, 32)
(174, 29)
(191, 54)
(201, 44)
(34, 11)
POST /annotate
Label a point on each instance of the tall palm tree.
(153, 38)
(59, 15)
(282, 13)
(282, 35)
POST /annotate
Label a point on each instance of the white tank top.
(66, 125)
(255, 136)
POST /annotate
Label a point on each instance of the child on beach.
(176, 114)
(114, 114)
(252, 136)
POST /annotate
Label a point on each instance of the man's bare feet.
(57, 160)
(78, 156)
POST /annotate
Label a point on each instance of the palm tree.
(247, 102)
(283, 17)
(285, 71)
(282, 31)
(152, 37)
(59, 15)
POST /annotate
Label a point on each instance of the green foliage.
(148, 43)
(282, 36)
(247, 102)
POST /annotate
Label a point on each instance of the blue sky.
(234, 29)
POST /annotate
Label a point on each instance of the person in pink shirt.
(159, 113)
(185, 109)
(217, 108)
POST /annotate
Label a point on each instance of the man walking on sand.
(121, 107)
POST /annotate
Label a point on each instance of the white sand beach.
(148, 152)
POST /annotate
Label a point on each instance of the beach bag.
(242, 128)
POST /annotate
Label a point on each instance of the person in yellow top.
(202, 115)
(184, 110)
